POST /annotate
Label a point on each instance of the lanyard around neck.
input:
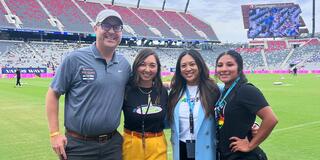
(144, 115)
(191, 103)
(220, 106)
(221, 99)
(191, 107)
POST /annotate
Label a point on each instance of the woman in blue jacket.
(190, 109)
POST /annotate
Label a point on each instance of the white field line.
(288, 128)
(296, 126)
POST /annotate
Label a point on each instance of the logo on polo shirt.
(88, 74)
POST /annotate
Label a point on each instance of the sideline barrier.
(315, 71)
(9, 76)
(46, 75)
(167, 73)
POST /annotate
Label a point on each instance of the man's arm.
(58, 141)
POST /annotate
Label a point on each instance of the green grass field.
(24, 130)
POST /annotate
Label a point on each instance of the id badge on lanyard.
(191, 148)
(191, 144)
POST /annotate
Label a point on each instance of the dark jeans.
(183, 151)
(78, 149)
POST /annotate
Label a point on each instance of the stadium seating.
(145, 23)
(31, 14)
(252, 60)
(200, 25)
(313, 42)
(92, 9)
(248, 50)
(53, 53)
(3, 22)
(276, 45)
(128, 53)
(20, 55)
(302, 41)
(276, 57)
(153, 20)
(49, 54)
(315, 58)
(133, 21)
(69, 15)
(303, 53)
(5, 46)
(178, 23)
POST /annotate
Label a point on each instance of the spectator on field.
(93, 80)
(236, 112)
(144, 110)
(18, 76)
(295, 70)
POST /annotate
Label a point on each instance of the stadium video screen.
(267, 22)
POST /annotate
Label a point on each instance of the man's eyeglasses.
(107, 27)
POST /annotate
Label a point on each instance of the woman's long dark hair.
(209, 92)
(135, 78)
(237, 57)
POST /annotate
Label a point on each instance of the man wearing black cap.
(93, 80)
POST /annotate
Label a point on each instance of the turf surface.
(24, 130)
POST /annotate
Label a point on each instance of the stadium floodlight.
(187, 5)
(313, 17)
(138, 4)
(164, 3)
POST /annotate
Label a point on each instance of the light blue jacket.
(205, 140)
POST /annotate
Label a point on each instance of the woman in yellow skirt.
(145, 110)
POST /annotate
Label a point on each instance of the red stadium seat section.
(69, 15)
(92, 10)
(77, 17)
(129, 18)
(3, 22)
(180, 24)
(31, 14)
(276, 45)
(200, 25)
(155, 21)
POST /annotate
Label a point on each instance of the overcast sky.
(225, 16)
